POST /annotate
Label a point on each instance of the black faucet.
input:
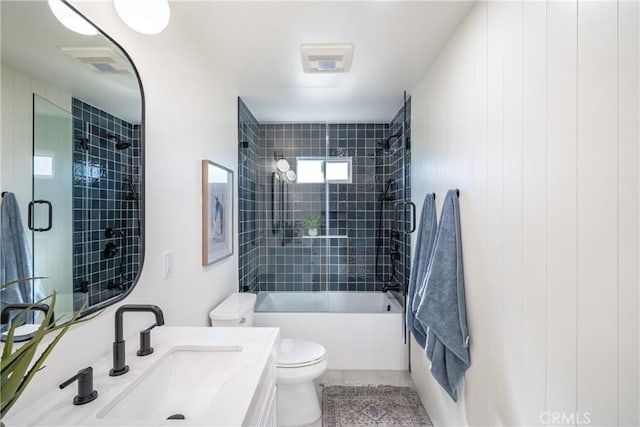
(396, 288)
(86, 393)
(5, 317)
(119, 366)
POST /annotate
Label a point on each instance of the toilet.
(298, 363)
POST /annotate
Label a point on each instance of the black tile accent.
(289, 261)
(102, 198)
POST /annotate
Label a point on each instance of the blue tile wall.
(287, 259)
(102, 198)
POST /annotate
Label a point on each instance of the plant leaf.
(15, 364)
(36, 367)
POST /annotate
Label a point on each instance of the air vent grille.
(99, 59)
(327, 58)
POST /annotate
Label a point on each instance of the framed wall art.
(217, 212)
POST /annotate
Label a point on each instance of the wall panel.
(561, 212)
(550, 207)
(597, 203)
(628, 213)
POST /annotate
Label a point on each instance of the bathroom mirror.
(72, 154)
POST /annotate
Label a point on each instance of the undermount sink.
(182, 384)
(211, 376)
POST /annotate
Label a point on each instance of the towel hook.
(4, 192)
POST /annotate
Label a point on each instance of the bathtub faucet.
(396, 288)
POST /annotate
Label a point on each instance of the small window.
(318, 170)
(43, 166)
(338, 171)
(310, 171)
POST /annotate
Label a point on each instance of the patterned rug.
(383, 406)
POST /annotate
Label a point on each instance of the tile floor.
(361, 378)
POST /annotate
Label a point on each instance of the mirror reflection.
(71, 172)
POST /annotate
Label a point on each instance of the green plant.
(312, 221)
(18, 367)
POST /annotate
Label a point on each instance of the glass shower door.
(51, 207)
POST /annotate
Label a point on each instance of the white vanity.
(197, 376)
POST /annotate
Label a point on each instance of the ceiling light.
(144, 16)
(327, 58)
(70, 19)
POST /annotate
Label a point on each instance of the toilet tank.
(236, 310)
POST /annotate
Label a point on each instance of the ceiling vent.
(327, 58)
(100, 59)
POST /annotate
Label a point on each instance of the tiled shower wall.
(102, 198)
(250, 190)
(288, 259)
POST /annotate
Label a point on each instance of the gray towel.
(443, 305)
(15, 256)
(424, 246)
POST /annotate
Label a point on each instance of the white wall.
(191, 115)
(532, 110)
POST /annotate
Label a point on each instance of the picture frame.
(217, 212)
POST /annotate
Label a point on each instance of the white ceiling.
(258, 45)
(31, 41)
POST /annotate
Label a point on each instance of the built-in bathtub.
(360, 330)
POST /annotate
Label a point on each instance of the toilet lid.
(293, 353)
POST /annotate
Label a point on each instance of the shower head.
(386, 143)
(120, 145)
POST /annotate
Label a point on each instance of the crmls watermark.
(565, 418)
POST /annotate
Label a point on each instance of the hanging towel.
(443, 305)
(15, 256)
(424, 246)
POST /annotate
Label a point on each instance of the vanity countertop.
(228, 403)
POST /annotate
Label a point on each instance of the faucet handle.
(86, 393)
(145, 341)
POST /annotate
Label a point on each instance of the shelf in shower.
(325, 237)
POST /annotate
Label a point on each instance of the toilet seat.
(299, 353)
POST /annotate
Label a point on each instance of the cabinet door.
(270, 416)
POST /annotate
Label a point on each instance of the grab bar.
(401, 206)
(49, 215)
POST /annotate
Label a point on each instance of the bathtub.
(360, 330)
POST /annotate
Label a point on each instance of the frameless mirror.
(72, 160)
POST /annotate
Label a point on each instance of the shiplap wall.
(532, 110)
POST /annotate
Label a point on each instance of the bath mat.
(382, 406)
